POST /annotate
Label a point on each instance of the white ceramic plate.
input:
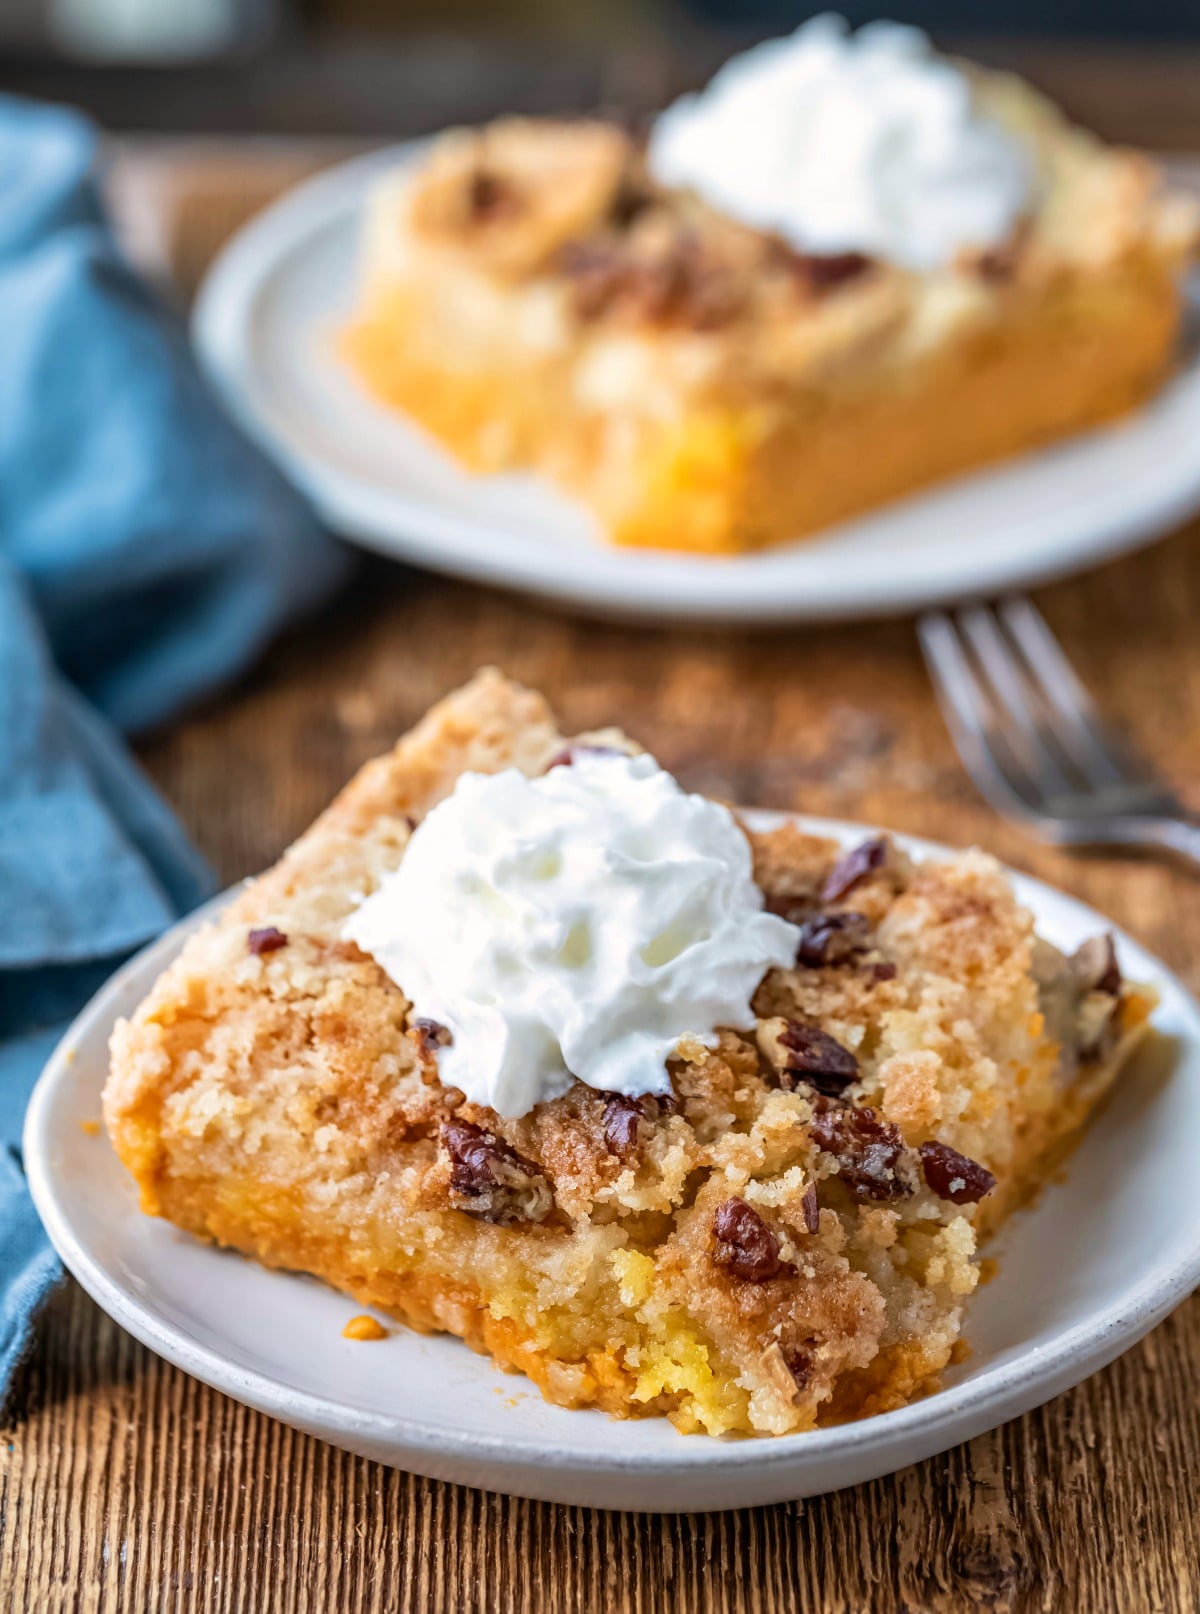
(264, 327)
(1103, 1257)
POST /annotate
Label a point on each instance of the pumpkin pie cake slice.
(848, 269)
(441, 1056)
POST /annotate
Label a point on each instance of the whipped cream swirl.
(573, 925)
(839, 142)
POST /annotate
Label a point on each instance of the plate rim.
(959, 1412)
(630, 583)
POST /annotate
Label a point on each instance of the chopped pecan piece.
(789, 1368)
(799, 1365)
(816, 1058)
(954, 1176)
(626, 1119)
(854, 866)
(998, 263)
(1096, 1022)
(811, 1209)
(870, 1153)
(632, 199)
(674, 284)
(266, 940)
(490, 196)
(796, 907)
(1095, 968)
(832, 938)
(743, 1243)
(596, 270)
(566, 757)
(622, 1124)
(820, 272)
(489, 1179)
(431, 1034)
(1097, 976)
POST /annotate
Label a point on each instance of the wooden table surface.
(125, 1484)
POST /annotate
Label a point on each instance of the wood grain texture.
(125, 1485)
(387, 85)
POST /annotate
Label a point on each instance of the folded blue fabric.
(147, 554)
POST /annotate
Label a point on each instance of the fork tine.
(1026, 729)
(970, 717)
(1080, 729)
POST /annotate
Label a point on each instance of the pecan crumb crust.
(788, 1235)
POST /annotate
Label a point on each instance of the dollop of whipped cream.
(573, 925)
(839, 142)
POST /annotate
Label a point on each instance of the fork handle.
(1180, 836)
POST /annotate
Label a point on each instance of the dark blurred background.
(371, 68)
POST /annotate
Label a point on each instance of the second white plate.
(264, 327)
(1100, 1260)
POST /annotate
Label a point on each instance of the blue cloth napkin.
(147, 554)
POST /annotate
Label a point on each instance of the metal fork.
(1033, 741)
